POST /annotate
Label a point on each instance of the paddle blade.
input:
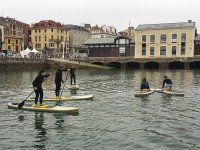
(20, 105)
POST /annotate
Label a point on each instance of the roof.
(47, 24)
(100, 41)
(179, 25)
(76, 27)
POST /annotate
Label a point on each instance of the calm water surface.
(115, 119)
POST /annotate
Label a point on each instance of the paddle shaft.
(63, 86)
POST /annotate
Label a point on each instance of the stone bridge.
(146, 63)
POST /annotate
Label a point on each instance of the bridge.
(145, 63)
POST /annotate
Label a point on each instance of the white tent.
(35, 51)
(25, 52)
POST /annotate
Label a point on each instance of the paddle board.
(72, 87)
(144, 92)
(63, 98)
(175, 93)
(45, 108)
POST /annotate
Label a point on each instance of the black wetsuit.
(144, 85)
(37, 82)
(58, 80)
(72, 76)
(168, 81)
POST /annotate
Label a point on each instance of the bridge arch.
(97, 63)
(195, 65)
(115, 64)
(151, 65)
(176, 65)
(133, 65)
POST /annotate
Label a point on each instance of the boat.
(45, 108)
(71, 98)
(144, 92)
(175, 93)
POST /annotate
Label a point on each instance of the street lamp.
(63, 45)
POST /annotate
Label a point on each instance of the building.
(1, 36)
(165, 40)
(103, 32)
(110, 47)
(130, 32)
(50, 37)
(197, 45)
(15, 34)
(78, 35)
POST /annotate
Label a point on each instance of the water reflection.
(41, 138)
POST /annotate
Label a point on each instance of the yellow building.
(49, 35)
(165, 40)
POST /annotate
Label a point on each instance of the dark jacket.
(58, 76)
(37, 82)
(168, 81)
(144, 85)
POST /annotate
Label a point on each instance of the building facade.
(1, 36)
(103, 32)
(165, 40)
(78, 35)
(110, 47)
(14, 35)
(50, 37)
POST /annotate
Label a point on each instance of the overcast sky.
(116, 13)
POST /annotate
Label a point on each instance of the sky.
(116, 13)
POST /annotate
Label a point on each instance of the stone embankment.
(19, 63)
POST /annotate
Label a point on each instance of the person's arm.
(163, 83)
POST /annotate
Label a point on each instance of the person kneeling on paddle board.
(37, 86)
(167, 84)
(144, 85)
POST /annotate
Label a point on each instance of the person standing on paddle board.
(37, 86)
(72, 75)
(58, 79)
(144, 85)
(167, 84)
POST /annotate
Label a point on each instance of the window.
(16, 41)
(39, 38)
(52, 37)
(45, 30)
(183, 48)
(163, 50)
(45, 38)
(35, 38)
(51, 30)
(174, 38)
(143, 49)
(173, 50)
(144, 38)
(151, 51)
(163, 38)
(183, 37)
(35, 31)
(152, 38)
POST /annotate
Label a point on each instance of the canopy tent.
(25, 52)
(35, 51)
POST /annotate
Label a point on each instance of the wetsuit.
(58, 80)
(37, 83)
(72, 76)
(167, 83)
(144, 85)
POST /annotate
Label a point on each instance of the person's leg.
(71, 77)
(36, 96)
(57, 91)
(41, 96)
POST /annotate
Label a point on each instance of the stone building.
(165, 40)
(77, 35)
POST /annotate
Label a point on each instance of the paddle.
(63, 85)
(20, 105)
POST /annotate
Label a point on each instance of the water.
(115, 119)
